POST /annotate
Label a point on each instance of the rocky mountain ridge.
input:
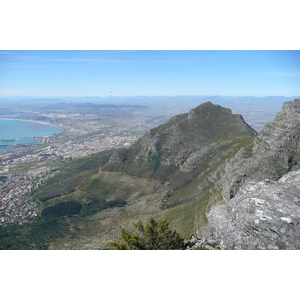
(262, 215)
(274, 152)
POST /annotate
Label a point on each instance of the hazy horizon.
(152, 96)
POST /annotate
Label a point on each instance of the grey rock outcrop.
(265, 215)
(195, 243)
(274, 152)
(278, 142)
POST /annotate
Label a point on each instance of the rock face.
(265, 215)
(275, 151)
(264, 212)
(277, 146)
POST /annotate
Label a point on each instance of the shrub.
(152, 236)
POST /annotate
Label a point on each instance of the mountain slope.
(182, 154)
(185, 144)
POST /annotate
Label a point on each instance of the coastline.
(30, 121)
(30, 138)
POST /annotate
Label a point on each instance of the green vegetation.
(33, 236)
(94, 185)
(216, 246)
(43, 230)
(200, 248)
(57, 222)
(12, 237)
(71, 176)
(86, 185)
(62, 209)
(62, 184)
(292, 161)
(137, 132)
(152, 236)
(96, 206)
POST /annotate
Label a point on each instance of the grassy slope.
(186, 207)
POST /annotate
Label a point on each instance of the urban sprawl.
(26, 168)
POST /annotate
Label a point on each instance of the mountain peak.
(207, 110)
(291, 109)
(175, 145)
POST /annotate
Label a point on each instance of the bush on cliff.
(152, 236)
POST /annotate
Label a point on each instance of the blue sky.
(129, 73)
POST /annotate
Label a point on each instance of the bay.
(11, 129)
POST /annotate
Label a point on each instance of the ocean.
(11, 129)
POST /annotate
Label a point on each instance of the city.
(27, 167)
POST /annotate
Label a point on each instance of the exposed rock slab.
(265, 215)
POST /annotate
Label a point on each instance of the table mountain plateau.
(197, 171)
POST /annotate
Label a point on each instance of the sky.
(63, 73)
